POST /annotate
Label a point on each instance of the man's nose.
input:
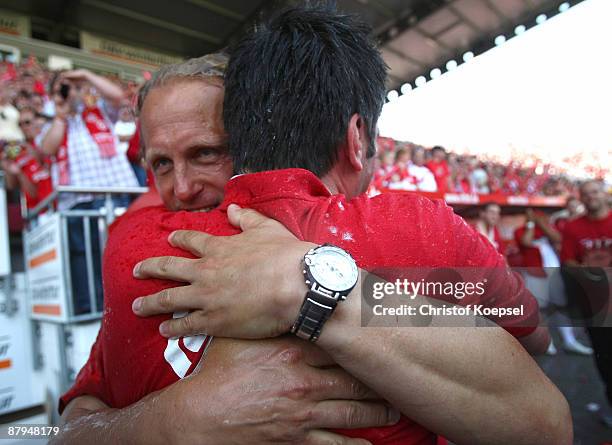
(185, 189)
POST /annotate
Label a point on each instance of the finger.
(244, 218)
(190, 240)
(337, 384)
(193, 323)
(167, 268)
(174, 299)
(353, 414)
(318, 437)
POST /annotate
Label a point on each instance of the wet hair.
(210, 65)
(293, 84)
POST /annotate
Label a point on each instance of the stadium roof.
(416, 35)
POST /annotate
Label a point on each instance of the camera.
(64, 90)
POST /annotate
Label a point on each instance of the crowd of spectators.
(27, 106)
(27, 109)
(406, 166)
(71, 128)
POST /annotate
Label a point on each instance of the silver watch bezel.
(311, 258)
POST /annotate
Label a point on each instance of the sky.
(548, 90)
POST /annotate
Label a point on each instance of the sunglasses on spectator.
(25, 122)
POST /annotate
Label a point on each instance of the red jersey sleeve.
(90, 380)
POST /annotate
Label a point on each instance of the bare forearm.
(553, 234)
(88, 420)
(527, 238)
(433, 375)
(108, 89)
(53, 139)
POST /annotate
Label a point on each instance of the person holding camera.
(82, 139)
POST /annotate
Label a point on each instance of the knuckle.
(187, 325)
(163, 300)
(353, 414)
(165, 264)
(302, 417)
(358, 390)
(298, 390)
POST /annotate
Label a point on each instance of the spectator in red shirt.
(439, 168)
(540, 263)
(402, 179)
(488, 219)
(586, 254)
(573, 209)
(28, 168)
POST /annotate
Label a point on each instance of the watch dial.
(333, 270)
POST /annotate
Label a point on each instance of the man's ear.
(357, 141)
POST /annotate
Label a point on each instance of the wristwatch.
(330, 274)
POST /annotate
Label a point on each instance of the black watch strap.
(315, 311)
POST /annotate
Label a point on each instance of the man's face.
(27, 124)
(438, 155)
(185, 143)
(74, 91)
(593, 196)
(418, 158)
(491, 214)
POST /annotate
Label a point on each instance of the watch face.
(333, 269)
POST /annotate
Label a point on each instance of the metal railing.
(93, 221)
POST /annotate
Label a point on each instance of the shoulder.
(409, 212)
(573, 226)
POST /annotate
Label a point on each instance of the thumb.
(244, 219)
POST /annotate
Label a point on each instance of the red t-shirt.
(588, 241)
(130, 359)
(38, 175)
(441, 172)
(531, 255)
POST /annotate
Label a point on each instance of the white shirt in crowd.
(425, 180)
(124, 129)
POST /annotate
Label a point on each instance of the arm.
(526, 239)
(107, 88)
(54, 136)
(416, 381)
(451, 378)
(553, 234)
(15, 177)
(297, 395)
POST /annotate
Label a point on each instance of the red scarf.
(100, 133)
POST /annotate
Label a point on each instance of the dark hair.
(292, 85)
(438, 148)
(488, 204)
